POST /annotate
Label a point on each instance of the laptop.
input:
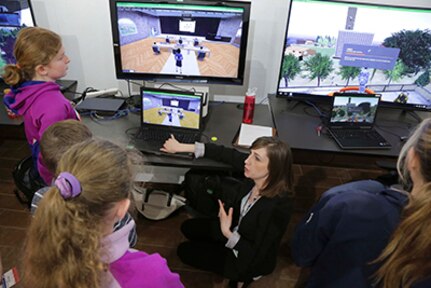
(352, 120)
(166, 112)
(100, 105)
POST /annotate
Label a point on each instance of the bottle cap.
(251, 91)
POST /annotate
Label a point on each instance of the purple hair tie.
(68, 185)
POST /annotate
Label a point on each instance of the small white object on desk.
(249, 132)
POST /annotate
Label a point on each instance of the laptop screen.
(354, 110)
(171, 108)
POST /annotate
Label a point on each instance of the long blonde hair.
(34, 46)
(62, 248)
(406, 259)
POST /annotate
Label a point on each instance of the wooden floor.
(164, 236)
(139, 56)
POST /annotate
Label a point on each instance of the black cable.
(132, 135)
(128, 88)
(129, 101)
(177, 87)
(136, 83)
(401, 137)
(317, 109)
(118, 114)
(83, 95)
(323, 116)
(306, 112)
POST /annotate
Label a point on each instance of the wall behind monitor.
(86, 31)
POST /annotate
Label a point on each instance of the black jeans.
(205, 248)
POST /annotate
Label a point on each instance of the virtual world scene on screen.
(13, 16)
(330, 46)
(180, 39)
(171, 110)
(351, 109)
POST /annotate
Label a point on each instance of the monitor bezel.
(357, 96)
(144, 89)
(2, 83)
(324, 98)
(158, 77)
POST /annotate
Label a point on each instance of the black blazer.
(262, 228)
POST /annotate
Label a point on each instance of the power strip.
(106, 92)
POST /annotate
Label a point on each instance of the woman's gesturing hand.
(225, 219)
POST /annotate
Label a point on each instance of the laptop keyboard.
(358, 134)
(161, 136)
(361, 138)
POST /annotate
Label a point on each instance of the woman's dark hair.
(280, 174)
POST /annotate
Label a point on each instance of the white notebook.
(249, 132)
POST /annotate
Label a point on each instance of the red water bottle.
(249, 100)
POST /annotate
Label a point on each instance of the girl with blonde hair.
(406, 259)
(71, 243)
(34, 95)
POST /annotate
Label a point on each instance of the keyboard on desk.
(358, 134)
(359, 139)
(150, 141)
(160, 136)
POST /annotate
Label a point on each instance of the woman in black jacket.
(242, 244)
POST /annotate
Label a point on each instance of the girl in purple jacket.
(71, 243)
(41, 61)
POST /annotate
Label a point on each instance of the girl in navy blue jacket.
(351, 225)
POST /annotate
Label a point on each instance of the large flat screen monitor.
(14, 15)
(191, 41)
(333, 46)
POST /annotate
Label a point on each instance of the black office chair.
(26, 182)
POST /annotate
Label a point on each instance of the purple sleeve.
(138, 269)
(8, 100)
(60, 112)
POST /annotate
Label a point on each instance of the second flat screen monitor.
(191, 40)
